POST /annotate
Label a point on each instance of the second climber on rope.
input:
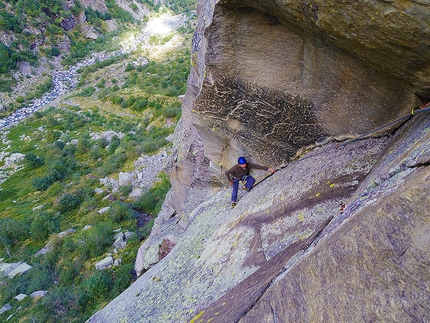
(240, 172)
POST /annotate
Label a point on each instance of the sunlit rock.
(105, 263)
(121, 239)
(13, 159)
(38, 293)
(125, 178)
(22, 267)
(5, 308)
(104, 210)
(20, 297)
(66, 233)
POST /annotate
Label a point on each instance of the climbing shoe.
(233, 204)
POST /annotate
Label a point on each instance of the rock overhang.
(391, 36)
(277, 77)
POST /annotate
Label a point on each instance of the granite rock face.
(270, 77)
(369, 264)
(339, 234)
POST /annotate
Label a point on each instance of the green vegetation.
(52, 15)
(63, 176)
(180, 5)
(118, 13)
(54, 188)
(46, 28)
(22, 14)
(167, 78)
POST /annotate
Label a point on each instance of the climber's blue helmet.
(241, 160)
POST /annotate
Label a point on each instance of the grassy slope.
(31, 218)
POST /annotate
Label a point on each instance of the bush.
(10, 22)
(69, 271)
(124, 104)
(59, 144)
(52, 136)
(44, 88)
(89, 205)
(58, 169)
(51, 122)
(98, 285)
(130, 67)
(145, 231)
(112, 163)
(114, 144)
(32, 161)
(41, 183)
(122, 279)
(60, 302)
(87, 92)
(98, 238)
(150, 146)
(118, 13)
(68, 202)
(39, 278)
(171, 112)
(125, 190)
(134, 151)
(41, 227)
(120, 212)
(69, 150)
(55, 51)
(38, 115)
(151, 201)
(95, 153)
(139, 104)
(84, 143)
(12, 231)
(8, 61)
(5, 86)
(40, 314)
(102, 142)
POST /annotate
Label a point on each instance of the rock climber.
(240, 172)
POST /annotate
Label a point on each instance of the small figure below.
(240, 172)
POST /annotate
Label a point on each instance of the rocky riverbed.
(65, 80)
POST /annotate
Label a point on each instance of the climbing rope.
(413, 112)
